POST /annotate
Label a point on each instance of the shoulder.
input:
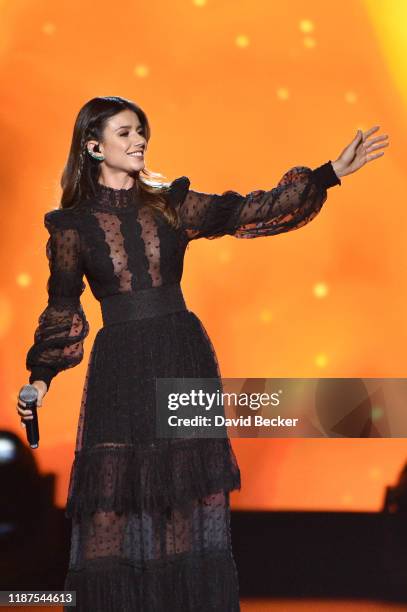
(61, 218)
(178, 189)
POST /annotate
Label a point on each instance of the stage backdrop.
(237, 92)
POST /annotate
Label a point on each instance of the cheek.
(117, 156)
(117, 148)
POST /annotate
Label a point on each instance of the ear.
(91, 144)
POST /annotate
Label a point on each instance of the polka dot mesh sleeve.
(294, 202)
(62, 326)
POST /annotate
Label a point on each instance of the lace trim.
(125, 478)
(116, 198)
(189, 582)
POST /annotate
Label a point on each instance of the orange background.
(237, 92)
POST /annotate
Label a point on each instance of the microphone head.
(28, 393)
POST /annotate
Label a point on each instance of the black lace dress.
(150, 517)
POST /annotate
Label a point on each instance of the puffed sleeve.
(294, 202)
(62, 326)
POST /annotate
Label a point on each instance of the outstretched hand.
(359, 152)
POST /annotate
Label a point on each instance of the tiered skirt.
(150, 516)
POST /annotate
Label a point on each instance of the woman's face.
(123, 143)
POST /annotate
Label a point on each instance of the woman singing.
(150, 516)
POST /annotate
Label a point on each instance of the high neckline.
(115, 198)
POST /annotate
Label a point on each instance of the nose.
(139, 143)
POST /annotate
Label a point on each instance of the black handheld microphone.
(29, 395)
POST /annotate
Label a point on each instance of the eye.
(140, 131)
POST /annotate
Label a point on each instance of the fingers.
(368, 146)
(370, 131)
(378, 139)
(384, 140)
(24, 412)
(372, 157)
(27, 415)
(380, 146)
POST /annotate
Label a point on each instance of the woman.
(150, 516)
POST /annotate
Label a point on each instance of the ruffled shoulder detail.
(59, 219)
(178, 190)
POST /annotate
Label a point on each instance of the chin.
(136, 167)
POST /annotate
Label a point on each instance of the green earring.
(95, 156)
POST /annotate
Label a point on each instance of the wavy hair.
(81, 173)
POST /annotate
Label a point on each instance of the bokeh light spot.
(48, 28)
(320, 290)
(225, 256)
(141, 70)
(306, 26)
(346, 499)
(23, 280)
(375, 473)
(309, 42)
(265, 315)
(321, 360)
(351, 97)
(242, 40)
(283, 93)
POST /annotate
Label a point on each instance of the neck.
(116, 181)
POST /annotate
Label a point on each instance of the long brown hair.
(80, 175)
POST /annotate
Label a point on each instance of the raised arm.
(62, 326)
(295, 201)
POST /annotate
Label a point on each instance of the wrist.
(41, 384)
(42, 374)
(337, 170)
(325, 177)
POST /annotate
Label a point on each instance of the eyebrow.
(126, 126)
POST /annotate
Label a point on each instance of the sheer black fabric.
(62, 326)
(297, 199)
(150, 517)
